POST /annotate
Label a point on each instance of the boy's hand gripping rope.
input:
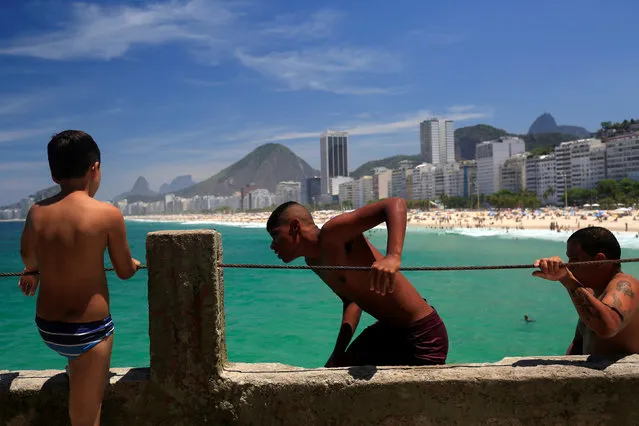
(366, 268)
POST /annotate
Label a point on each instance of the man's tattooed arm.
(605, 317)
(620, 296)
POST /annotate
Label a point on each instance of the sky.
(189, 86)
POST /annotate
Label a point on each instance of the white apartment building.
(346, 192)
(262, 198)
(490, 155)
(336, 182)
(333, 158)
(622, 156)
(288, 191)
(437, 141)
(382, 183)
(579, 164)
(513, 173)
(363, 191)
(400, 180)
(424, 182)
(541, 177)
(582, 173)
(447, 180)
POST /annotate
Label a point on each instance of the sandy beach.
(541, 219)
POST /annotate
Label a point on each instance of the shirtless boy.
(408, 330)
(604, 296)
(64, 238)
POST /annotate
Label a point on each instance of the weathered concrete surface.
(515, 391)
(190, 381)
(186, 313)
(41, 397)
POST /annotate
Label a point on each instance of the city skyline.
(189, 86)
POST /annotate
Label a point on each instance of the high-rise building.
(490, 156)
(512, 173)
(541, 177)
(311, 190)
(468, 177)
(336, 182)
(333, 157)
(622, 156)
(424, 182)
(288, 191)
(382, 183)
(574, 167)
(437, 141)
(363, 191)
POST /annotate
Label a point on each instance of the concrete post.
(186, 311)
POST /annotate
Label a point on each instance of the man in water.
(408, 330)
(604, 296)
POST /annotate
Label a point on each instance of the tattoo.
(622, 288)
(626, 288)
(583, 304)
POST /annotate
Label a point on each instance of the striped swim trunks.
(72, 339)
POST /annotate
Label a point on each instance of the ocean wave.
(626, 239)
(222, 223)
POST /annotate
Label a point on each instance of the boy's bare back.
(70, 235)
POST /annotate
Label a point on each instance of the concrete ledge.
(515, 391)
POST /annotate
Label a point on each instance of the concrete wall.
(190, 381)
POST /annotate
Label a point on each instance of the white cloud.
(461, 108)
(17, 135)
(320, 24)
(23, 165)
(203, 83)
(408, 123)
(213, 30)
(111, 31)
(436, 39)
(324, 70)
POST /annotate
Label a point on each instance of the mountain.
(546, 123)
(37, 196)
(140, 189)
(546, 140)
(389, 162)
(467, 137)
(177, 184)
(265, 166)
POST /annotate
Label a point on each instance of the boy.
(605, 298)
(408, 330)
(64, 238)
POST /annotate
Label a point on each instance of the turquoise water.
(293, 318)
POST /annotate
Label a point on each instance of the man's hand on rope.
(551, 268)
(29, 283)
(383, 274)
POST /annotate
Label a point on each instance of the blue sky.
(188, 87)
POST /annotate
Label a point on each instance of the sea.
(292, 317)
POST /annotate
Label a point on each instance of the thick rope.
(368, 268)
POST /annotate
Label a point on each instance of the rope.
(419, 268)
(19, 274)
(368, 268)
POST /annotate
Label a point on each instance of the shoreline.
(451, 220)
(556, 221)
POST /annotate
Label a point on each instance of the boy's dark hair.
(595, 239)
(281, 213)
(71, 153)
